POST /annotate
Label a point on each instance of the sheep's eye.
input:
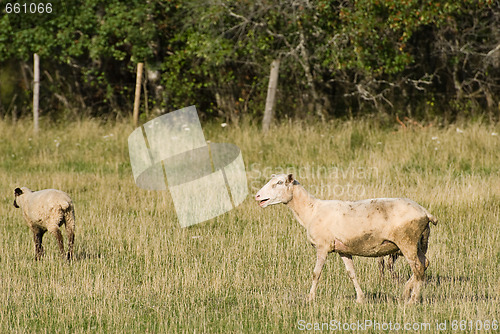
(280, 182)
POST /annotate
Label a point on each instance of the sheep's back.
(40, 205)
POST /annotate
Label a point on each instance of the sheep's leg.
(422, 265)
(416, 259)
(349, 265)
(408, 288)
(424, 240)
(37, 237)
(390, 265)
(58, 235)
(391, 259)
(70, 232)
(381, 266)
(320, 262)
(423, 245)
(419, 270)
(71, 241)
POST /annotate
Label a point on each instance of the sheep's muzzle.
(263, 202)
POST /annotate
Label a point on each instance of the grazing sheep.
(423, 244)
(47, 210)
(370, 228)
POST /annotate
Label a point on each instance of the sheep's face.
(278, 190)
(19, 192)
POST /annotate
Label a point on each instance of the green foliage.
(339, 57)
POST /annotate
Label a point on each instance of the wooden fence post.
(36, 89)
(137, 99)
(271, 94)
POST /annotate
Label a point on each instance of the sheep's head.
(278, 190)
(19, 192)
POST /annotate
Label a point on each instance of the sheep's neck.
(302, 205)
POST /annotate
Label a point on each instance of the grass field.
(249, 270)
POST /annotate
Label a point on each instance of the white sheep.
(370, 228)
(47, 210)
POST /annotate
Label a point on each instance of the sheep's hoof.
(310, 297)
(361, 300)
(411, 301)
(408, 291)
(415, 298)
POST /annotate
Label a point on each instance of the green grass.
(248, 270)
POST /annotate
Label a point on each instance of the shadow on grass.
(440, 279)
(381, 298)
(86, 255)
(472, 296)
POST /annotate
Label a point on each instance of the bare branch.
(497, 48)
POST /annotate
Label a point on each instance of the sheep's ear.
(289, 179)
(18, 192)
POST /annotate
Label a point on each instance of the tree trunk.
(36, 89)
(271, 94)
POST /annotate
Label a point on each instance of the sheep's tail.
(64, 205)
(431, 218)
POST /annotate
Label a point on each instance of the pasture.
(249, 270)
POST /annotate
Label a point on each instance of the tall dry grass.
(248, 270)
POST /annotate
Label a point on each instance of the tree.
(337, 58)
